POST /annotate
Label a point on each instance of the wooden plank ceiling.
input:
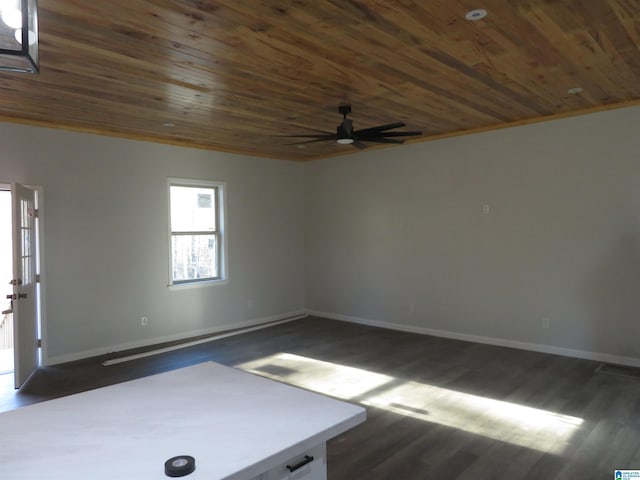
(231, 75)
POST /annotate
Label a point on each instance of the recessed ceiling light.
(475, 15)
(574, 90)
(168, 124)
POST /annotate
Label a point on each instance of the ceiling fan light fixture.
(345, 141)
(475, 15)
(19, 28)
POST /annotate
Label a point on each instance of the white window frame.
(221, 215)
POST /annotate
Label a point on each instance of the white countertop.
(236, 425)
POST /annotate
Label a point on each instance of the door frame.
(40, 255)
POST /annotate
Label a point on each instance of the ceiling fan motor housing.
(344, 132)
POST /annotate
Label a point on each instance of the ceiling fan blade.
(359, 145)
(401, 134)
(381, 140)
(380, 128)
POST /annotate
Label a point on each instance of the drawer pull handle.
(307, 459)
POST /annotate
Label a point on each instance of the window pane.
(193, 209)
(194, 257)
(24, 216)
(26, 271)
(26, 259)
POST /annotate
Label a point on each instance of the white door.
(25, 321)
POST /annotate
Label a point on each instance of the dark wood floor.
(437, 408)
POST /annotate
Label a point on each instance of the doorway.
(6, 273)
(20, 282)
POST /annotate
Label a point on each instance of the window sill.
(190, 285)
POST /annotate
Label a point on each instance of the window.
(196, 231)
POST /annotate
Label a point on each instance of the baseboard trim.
(290, 316)
(500, 342)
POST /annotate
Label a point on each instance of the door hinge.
(15, 282)
(36, 213)
(39, 343)
(37, 278)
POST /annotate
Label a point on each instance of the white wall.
(362, 236)
(106, 238)
(390, 228)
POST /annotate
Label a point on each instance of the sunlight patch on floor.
(508, 422)
(504, 421)
(339, 381)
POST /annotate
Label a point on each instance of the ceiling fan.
(346, 135)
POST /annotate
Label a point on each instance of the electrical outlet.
(144, 321)
(486, 209)
(545, 322)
